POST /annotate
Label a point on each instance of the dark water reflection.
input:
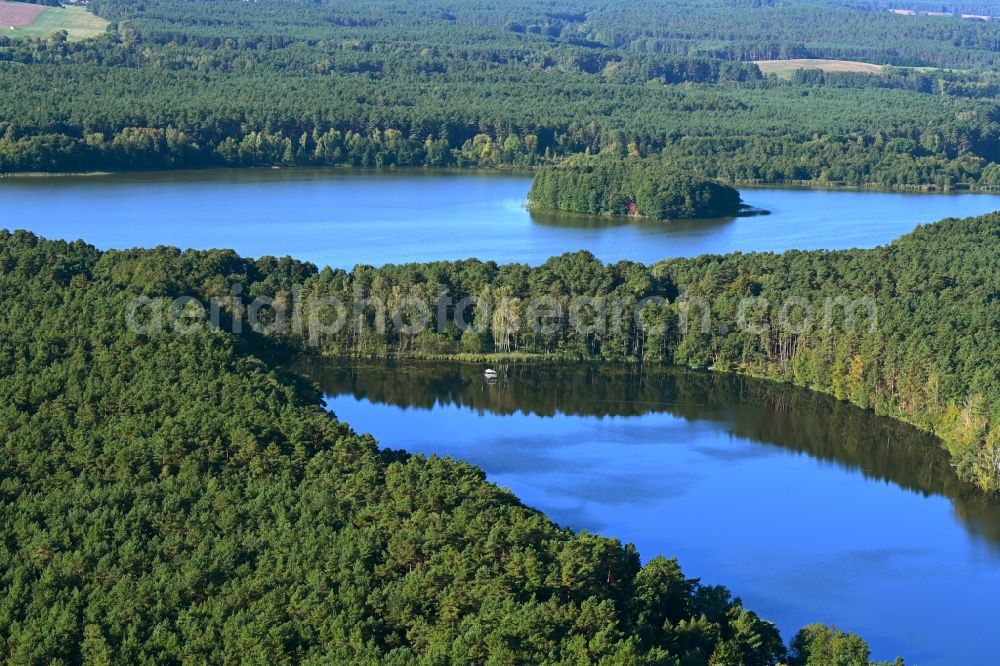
(808, 508)
(678, 228)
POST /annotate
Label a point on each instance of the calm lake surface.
(807, 508)
(343, 218)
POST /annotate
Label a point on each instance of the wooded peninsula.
(172, 497)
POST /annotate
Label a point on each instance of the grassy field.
(784, 68)
(16, 14)
(77, 21)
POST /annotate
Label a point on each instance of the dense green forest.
(173, 497)
(645, 188)
(468, 83)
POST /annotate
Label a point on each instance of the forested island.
(640, 188)
(463, 83)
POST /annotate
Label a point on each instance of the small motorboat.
(490, 373)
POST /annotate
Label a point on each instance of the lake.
(342, 218)
(806, 507)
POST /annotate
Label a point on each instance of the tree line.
(796, 419)
(906, 329)
(227, 83)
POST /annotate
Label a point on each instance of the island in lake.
(632, 187)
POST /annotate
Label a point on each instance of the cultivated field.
(786, 67)
(40, 21)
(17, 14)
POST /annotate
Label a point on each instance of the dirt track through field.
(18, 15)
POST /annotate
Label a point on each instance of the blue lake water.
(343, 218)
(809, 509)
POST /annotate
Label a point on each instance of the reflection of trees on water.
(765, 412)
(565, 220)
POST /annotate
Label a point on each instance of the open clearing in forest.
(784, 68)
(38, 21)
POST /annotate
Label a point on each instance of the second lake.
(343, 218)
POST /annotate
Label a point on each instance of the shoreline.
(838, 187)
(813, 185)
(292, 353)
(60, 174)
(745, 210)
(43, 175)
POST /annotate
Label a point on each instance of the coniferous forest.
(175, 497)
(179, 496)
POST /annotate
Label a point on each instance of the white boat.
(490, 373)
